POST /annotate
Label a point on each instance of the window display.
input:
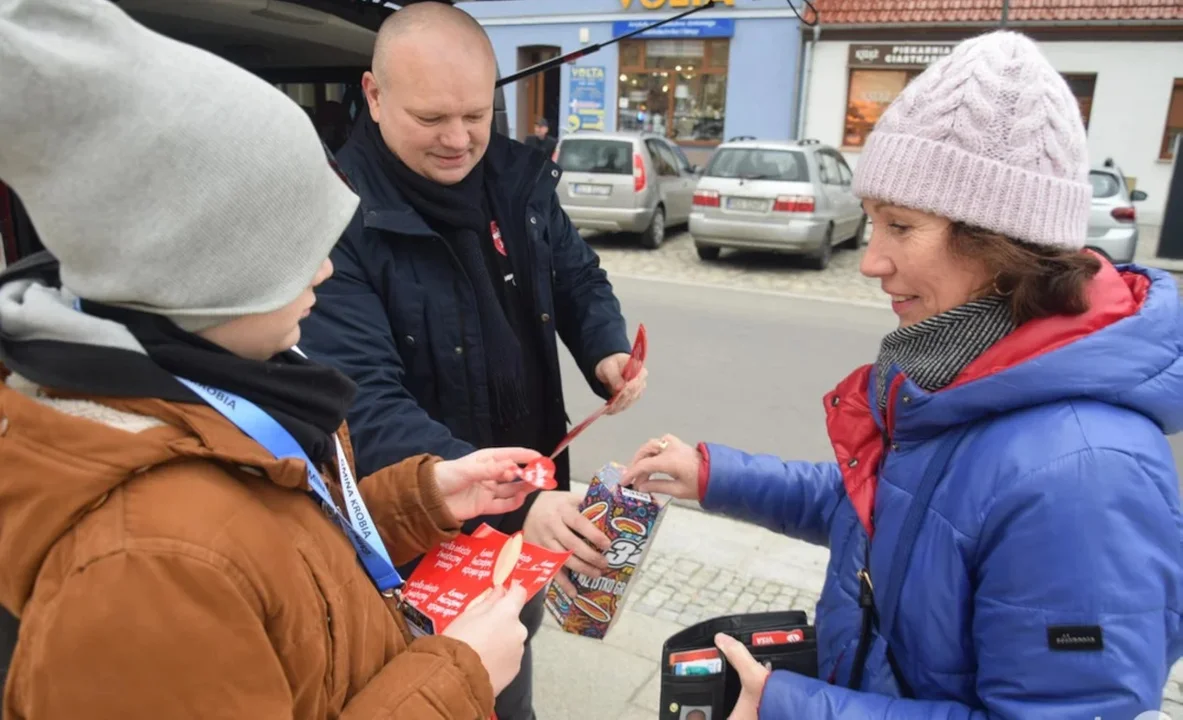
(676, 88)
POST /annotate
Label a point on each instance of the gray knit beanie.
(162, 177)
(989, 135)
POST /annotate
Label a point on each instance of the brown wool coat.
(164, 565)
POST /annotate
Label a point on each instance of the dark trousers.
(9, 628)
(516, 701)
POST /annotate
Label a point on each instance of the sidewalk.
(699, 566)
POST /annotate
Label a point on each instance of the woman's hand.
(668, 456)
(481, 483)
(752, 676)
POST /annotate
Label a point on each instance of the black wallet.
(713, 696)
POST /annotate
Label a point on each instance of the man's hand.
(554, 522)
(610, 371)
(480, 483)
(752, 676)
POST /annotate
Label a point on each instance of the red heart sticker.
(540, 473)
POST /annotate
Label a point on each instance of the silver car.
(625, 182)
(1113, 227)
(791, 197)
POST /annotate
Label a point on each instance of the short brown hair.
(1038, 281)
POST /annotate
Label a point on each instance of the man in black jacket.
(541, 139)
(455, 280)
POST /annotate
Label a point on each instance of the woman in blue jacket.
(1003, 517)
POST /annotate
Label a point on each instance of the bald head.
(431, 24)
(430, 89)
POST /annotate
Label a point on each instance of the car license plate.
(747, 204)
(600, 190)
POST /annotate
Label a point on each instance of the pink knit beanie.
(990, 135)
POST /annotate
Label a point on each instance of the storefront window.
(674, 88)
(1082, 87)
(868, 95)
(1172, 138)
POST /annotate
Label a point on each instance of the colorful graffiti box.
(459, 572)
(630, 520)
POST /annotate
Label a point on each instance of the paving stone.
(657, 597)
(667, 614)
(1173, 692)
(703, 577)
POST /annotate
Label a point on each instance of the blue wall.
(761, 79)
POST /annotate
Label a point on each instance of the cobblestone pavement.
(686, 591)
(700, 566)
(677, 260)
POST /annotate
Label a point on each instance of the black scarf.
(934, 351)
(460, 214)
(310, 401)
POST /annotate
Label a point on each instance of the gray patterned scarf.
(934, 351)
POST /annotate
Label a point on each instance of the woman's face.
(909, 254)
(262, 337)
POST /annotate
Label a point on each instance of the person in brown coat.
(181, 533)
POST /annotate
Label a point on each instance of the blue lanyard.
(358, 527)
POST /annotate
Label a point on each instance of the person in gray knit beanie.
(161, 177)
(1002, 506)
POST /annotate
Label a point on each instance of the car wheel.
(855, 242)
(821, 259)
(654, 235)
(707, 252)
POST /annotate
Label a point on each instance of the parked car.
(1113, 226)
(628, 182)
(790, 197)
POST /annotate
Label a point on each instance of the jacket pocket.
(414, 337)
(328, 594)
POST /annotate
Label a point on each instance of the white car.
(790, 197)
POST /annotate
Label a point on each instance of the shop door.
(538, 95)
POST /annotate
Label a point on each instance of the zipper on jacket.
(866, 596)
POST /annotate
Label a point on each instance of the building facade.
(1123, 62)
(723, 72)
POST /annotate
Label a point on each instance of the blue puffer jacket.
(1057, 515)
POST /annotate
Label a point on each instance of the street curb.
(755, 291)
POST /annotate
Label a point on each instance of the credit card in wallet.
(697, 662)
(692, 655)
(778, 637)
(699, 667)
